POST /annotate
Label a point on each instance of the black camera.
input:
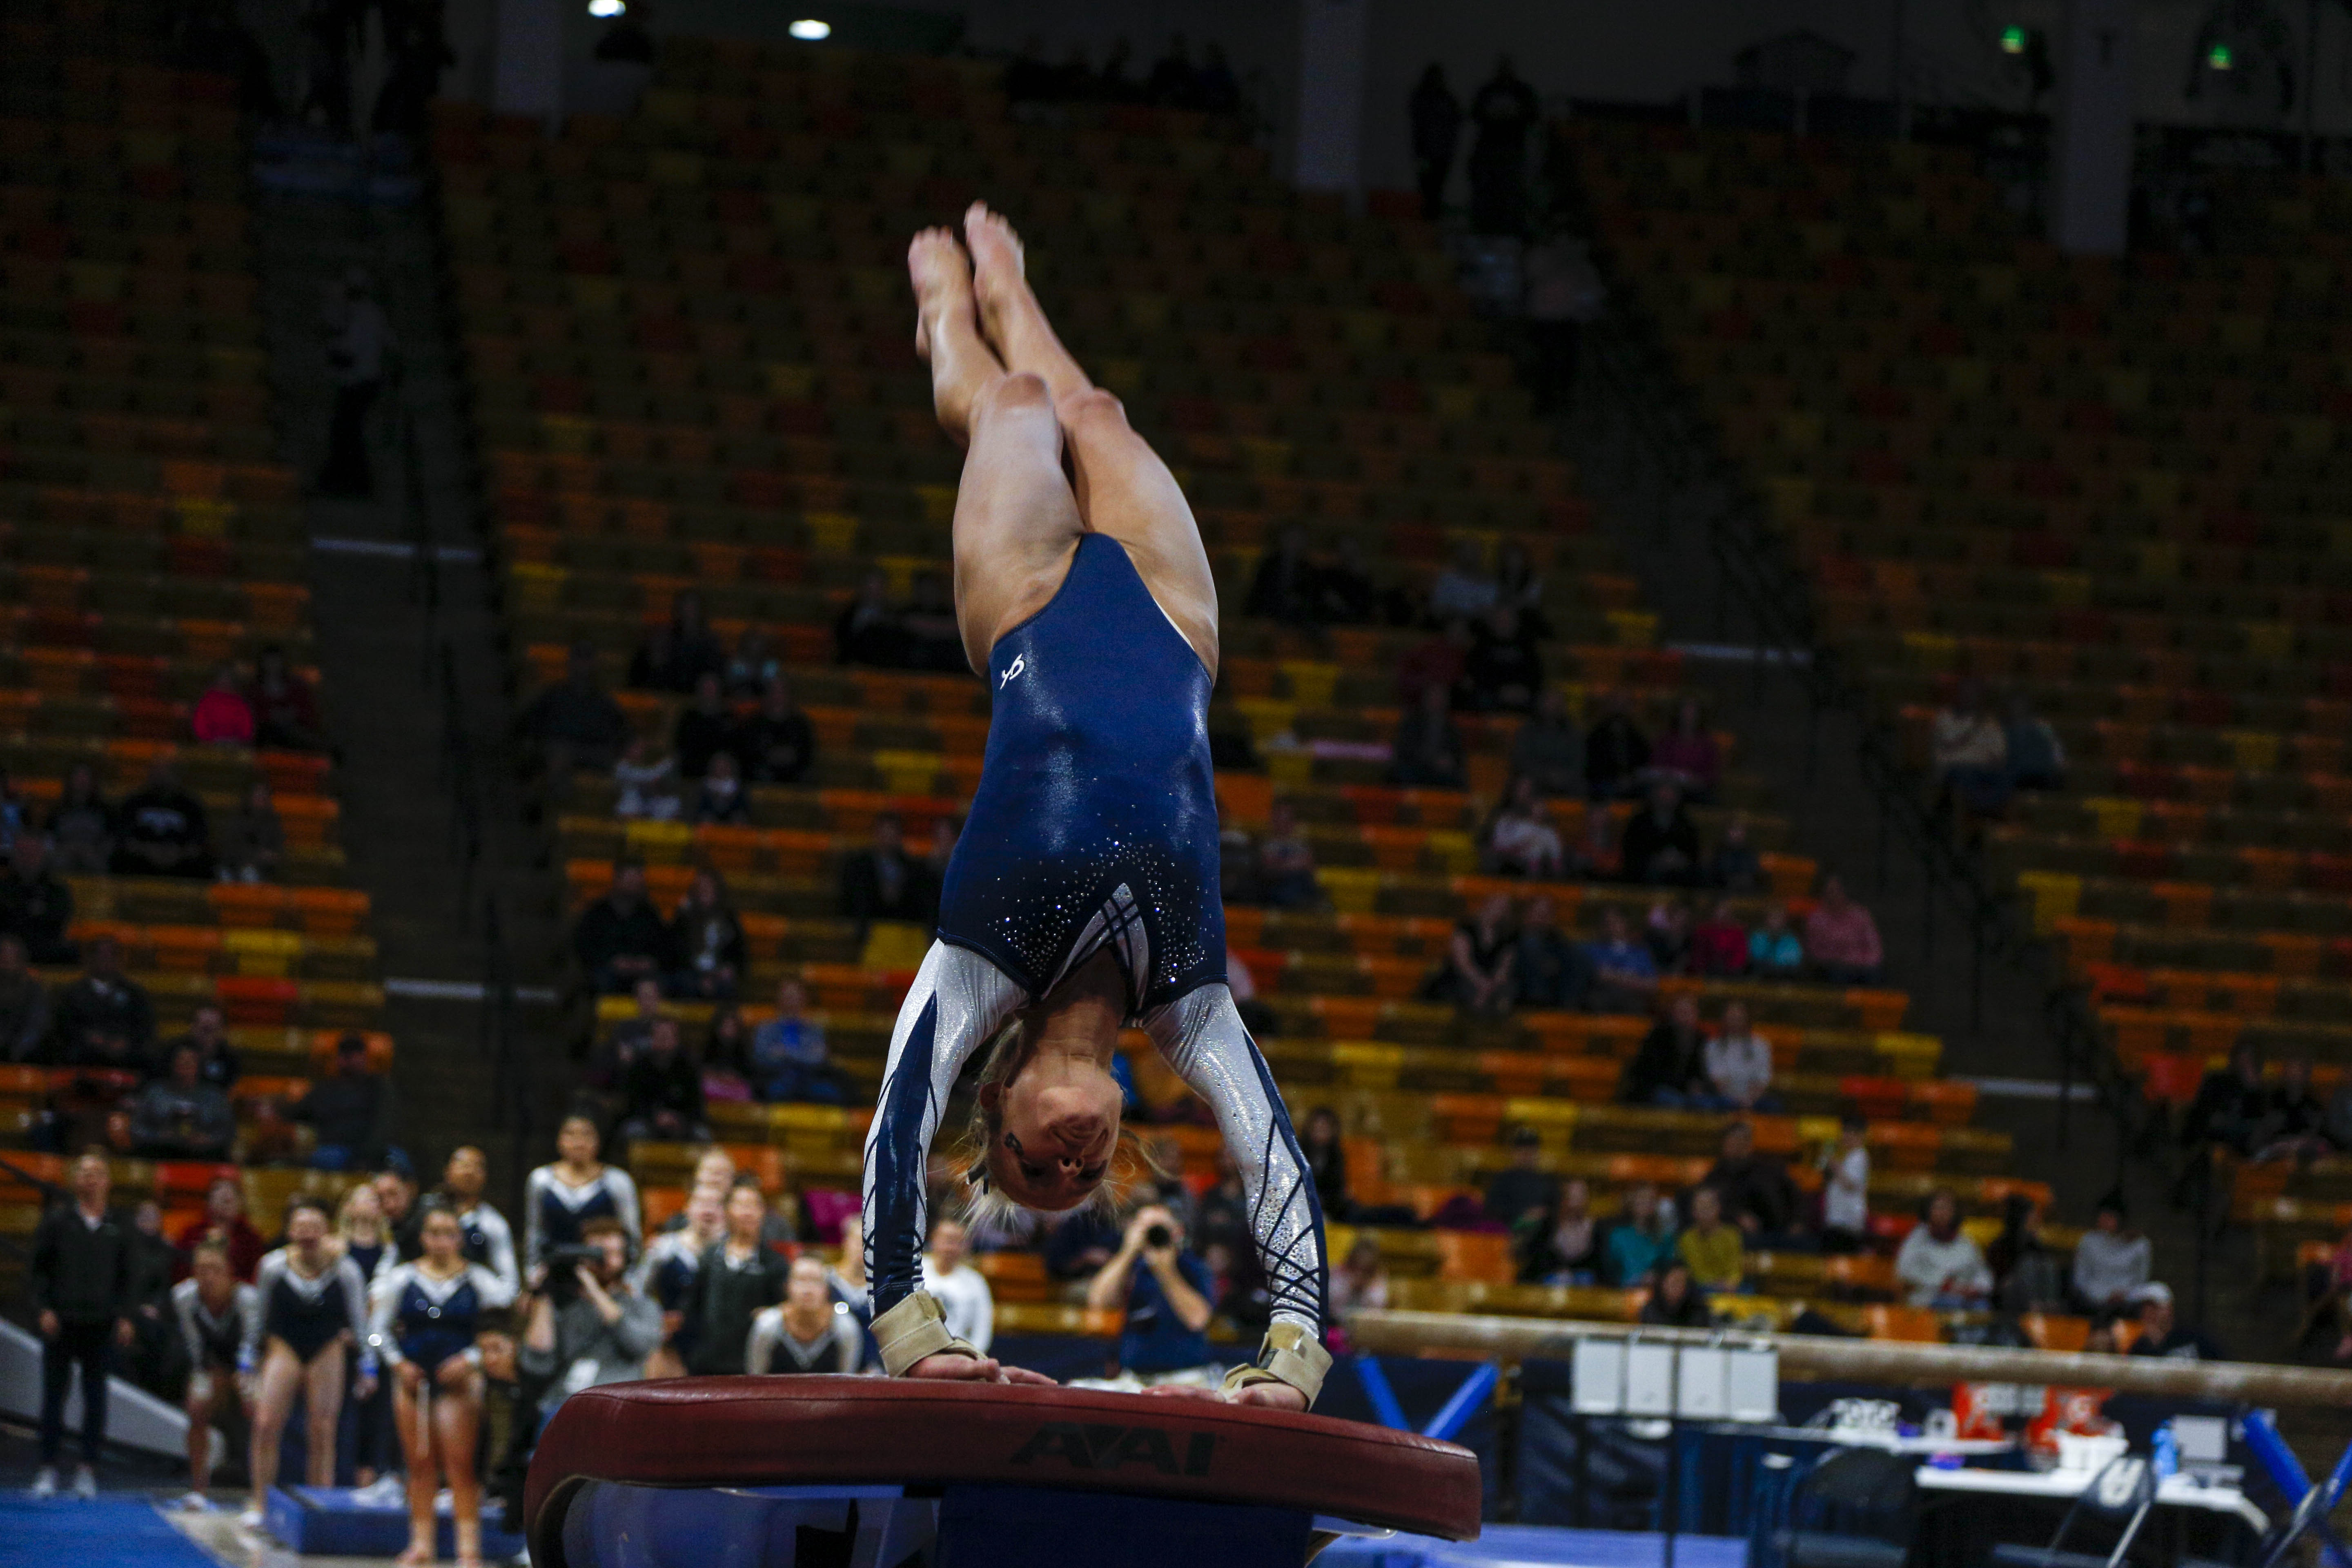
(1159, 1237)
(562, 1263)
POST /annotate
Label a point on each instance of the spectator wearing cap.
(621, 939)
(2111, 1260)
(1842, 938)
(351, 1111)
(2161, 1333)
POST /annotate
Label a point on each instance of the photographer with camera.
(588, 1326)
(1166, 1339)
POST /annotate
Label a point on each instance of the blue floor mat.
(1533, 1546)
(113, 1532)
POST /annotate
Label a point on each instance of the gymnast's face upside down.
(1049, 1108)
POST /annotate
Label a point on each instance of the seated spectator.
(162, 830)
(621, 939)
(1520, 586)
(1442, 661)
(1596, 856)
(222, 716)
(625, 1041)
(2037, 758)
(1774, 950)
(2232, 1104)
(962, 1290)
(1846, 1187)
(1551, 971)
(884, 883)
(933, 641)
(1842, 938)
(1660, 844)
(1344, 592)
(1476, 974)
(726, 1057)
(1565, 1244)
(681, 654)
(180, 1116)
(104, 1018)
(720, 797)
(1505, 671)
(1718, 945)
(1428, 752)
(1739, 1064)
(2161, 1333)
(1521, 839)
(738, 1276)
(1521, 1191)
(790, 1061)
(1167, 1301)
(575, 722)
(1686, 755)
(1712, 1249)
(1465, 588)
(254, 847)
(775, 744)
(1624, 975)
(1676, 1301)
(35, 904)
(24, 1006)
(601, 1330)
(82, 826)
(1360, 1284)
(752, 665)
(1641, 1240)
(646, 785)
(2295, 1125)
(1757, 1194)
(1285, 862)
(223, 1225)
(351, 1112)
(1938, 1264)
(285, 713)
(218, 1063)
(2111, 1260)
(704, 726)
(1615, 753)
(868, 630)
(1734, 866)
(1326, 1161)
(1548, 748)
(705, 942)
(2028, 1276)
(1667, 933)
(1284, 587)
(1970, 751)
(661, 1092)
(1668, 1069)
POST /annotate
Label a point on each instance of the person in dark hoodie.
(82, 1282)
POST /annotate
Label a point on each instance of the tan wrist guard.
(915, 1328)
(1290, 1356)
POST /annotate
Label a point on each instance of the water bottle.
(2168, 1453)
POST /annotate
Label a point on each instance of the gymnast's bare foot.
(942, 279)
(946, 329)
(1009, 313)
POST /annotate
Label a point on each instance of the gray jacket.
(589, 1352)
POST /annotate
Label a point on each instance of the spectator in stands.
(1676, 1301)
(254, 847)
(1842, 938)
(869, 629)
(1734, 866)
(2294, 1127)
(2111, 1260)
(789, 1058)
(1625, 977)
(1286, 586)
(1739, 1064)
(35, 904)
(1774, 950)
(179, 1116)
(1846, 1187)
(2037, 758)
(686, 650)
(222, 717)
(1660, 841)
(1757, 1194)
(2028, 1276)
(81, 825)
(80, 1285)
(661, 1094)
(1477, 972)
(933, 641)
(1345, 595)
(703, 726)
(882, 882)
(726, 1057)
(625, 1040)
(1597, 857)
(1718, 944)
(1714, 1250)
(1441, 659)
(1548, 748)
(1167, 1301)
(1971, 754)
(162, 829)
(223, 1224)
(775, 744)
(960, 1288)
(1465, 588)
(1504, 670)
(705, 942)
(218, 1063)
(1668, 1066)
(2161, 1333)
(351, 1111)
(1435, 115)
(1565, 1244)
(1428, 753)
(752, 665)
(1552, 971)
(285, 713)
(24, 1006)
(646, 782)
(1520, 839)
(1360, 1283)
(359, 334)
(104, 1018)
(1504, 111)
(1522, 1190)
(1667, 933)
(1615, 752)
(1286, 861)
(601, 1331)
(1687, 756)
(575, 722)
(621, 939)
(734, 1281)
(2231, 1104)
(720, 797)
(1642, 1240)
(1326, 1161)
(1939, 1264)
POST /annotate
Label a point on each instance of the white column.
(2090, 168)
(1331, 57)
(527, 69)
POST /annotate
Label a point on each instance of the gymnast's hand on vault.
(945, 1366)
(1270, 1396)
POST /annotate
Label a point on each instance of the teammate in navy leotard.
(1083, 893)
(575, 1188)
(217, 1318)
(313, 1311)
(424, 1318)
(486, 1238)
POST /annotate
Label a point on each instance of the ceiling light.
(605, 7)
(809, 30)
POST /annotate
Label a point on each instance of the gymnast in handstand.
(1083, 893)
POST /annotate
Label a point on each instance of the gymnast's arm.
(1203, 1038)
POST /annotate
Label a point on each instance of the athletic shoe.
(388, 1490)
(45, 1485)
(196, 1503)
(85, 1485)
(250, 1519)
